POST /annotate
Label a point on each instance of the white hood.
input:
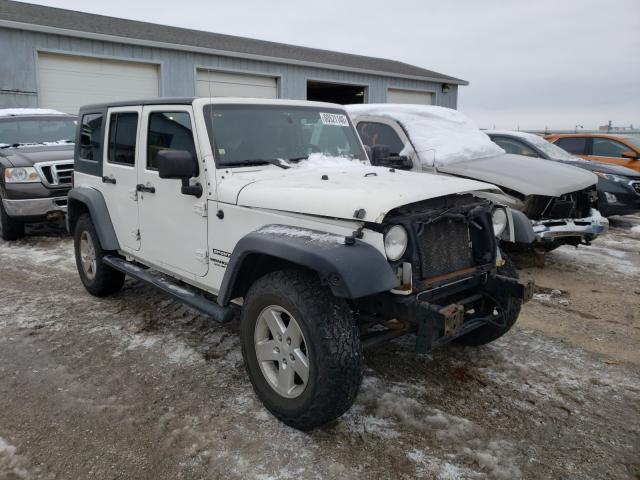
(350, 186)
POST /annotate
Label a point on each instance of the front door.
(173, 226)
(120, 174)
(609, 150)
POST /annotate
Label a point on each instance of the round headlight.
(499, 217)
(395, 242)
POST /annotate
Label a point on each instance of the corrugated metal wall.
(19, 83)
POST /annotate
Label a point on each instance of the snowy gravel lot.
(138, 387)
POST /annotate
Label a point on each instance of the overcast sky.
(554, 63)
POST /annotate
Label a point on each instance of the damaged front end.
(571, 219)
(451, 276)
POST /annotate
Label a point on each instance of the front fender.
(86, 198)
(351, 271)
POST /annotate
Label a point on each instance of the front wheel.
(301, 348)
(99, 279)
(10, 229)
(509, 311)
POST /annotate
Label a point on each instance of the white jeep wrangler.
(270, 209)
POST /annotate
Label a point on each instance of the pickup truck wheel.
(301, 348)
(10, 229)
(99, 279)
(510, 308)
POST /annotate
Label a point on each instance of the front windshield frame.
(355, 144)
(17, 121)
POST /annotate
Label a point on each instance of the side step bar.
(172, 288)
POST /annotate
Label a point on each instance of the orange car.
(601, 147)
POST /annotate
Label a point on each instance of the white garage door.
(67, 82)
(222, 84)
(395, 95)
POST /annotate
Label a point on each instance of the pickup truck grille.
(444, 247)
(636, 186)
(56, 174)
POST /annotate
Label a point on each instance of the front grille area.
(56, 174)
(444, 247)
(570, 205)
(636, 187)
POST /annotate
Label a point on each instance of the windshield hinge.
(133, 194)
(200, 208)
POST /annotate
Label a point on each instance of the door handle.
(144, 188)
(106, 179)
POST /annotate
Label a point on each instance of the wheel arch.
(351, 271)
(89, 200)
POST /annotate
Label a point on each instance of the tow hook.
(453, 319)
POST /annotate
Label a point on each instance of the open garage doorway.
(341, 93)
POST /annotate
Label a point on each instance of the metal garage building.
(62, 59)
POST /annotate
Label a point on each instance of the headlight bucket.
(500, 220)
(21, 175)
(395, 242)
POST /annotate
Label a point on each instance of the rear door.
(120, 174)
(579, 146)
(173, 226)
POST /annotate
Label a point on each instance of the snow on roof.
(16, 112)
(440, 135)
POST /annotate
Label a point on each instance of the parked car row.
(326, 230)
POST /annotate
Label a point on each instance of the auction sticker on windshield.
(334, 119)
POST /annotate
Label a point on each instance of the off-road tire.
(10, 229)
(333, 347)
(107, 280)
(490, 332)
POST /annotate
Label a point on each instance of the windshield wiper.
(297, 159)
(261, 161)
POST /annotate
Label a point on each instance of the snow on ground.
(11, 465)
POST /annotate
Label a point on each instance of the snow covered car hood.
(348, 188)
(527, 175)
(27, 156)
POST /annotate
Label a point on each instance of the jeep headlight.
(21, 175)
(395, 242)
(500, 220)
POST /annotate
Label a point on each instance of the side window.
(168, 131)
(123, 129)
(373, 133)
(575, 145)
(514, 146)
(605, 147)
(90, 140)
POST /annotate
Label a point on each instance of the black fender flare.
(93, 200)
(522, 228)
(351, 271)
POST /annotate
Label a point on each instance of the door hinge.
(200, 208)
(202, 255)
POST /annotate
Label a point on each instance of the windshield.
(20, 131)
(552, 151)
(245, 134)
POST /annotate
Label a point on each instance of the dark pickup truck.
(36, 167)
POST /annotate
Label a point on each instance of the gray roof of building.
(25, 13)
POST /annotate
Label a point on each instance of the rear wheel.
(99, 279)
(301, 348)
(10, 229)
(508, 309)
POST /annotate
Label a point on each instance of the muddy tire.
(99, 279)
(301, 348)
(10, 229)
(492, 331)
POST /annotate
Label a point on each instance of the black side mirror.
(380, 157)
(181, 165)
(630, 155)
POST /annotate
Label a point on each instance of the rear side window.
(123, 129)
(168, 131)
(605, 147)
(373, 133)
(90, 139)
(575, 145)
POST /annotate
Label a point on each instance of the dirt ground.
(138, 387)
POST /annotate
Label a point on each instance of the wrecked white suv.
(560, 200)
(270, 209)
